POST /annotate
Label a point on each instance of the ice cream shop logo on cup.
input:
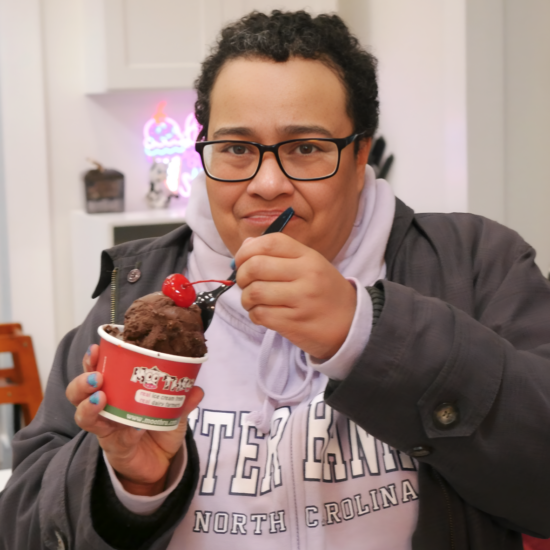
(144, 388)
(151, 377)
(148, 377)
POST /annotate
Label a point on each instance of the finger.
(277, 245)
(277, 318)
(89, 362)
(268, 268)
(87, 415)
(83, 386)
(261, 293)
(194, 397)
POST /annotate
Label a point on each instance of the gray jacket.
(465, 324)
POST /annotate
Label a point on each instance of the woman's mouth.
(262, 218)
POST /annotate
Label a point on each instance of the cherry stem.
(226, 283)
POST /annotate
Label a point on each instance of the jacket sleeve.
(58, 495)
(491, 366)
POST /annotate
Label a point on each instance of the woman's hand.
(292, 289)
(140, 458)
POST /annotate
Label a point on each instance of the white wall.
(485, 30)
(5, 300)
(508, 116)
(420, 49)
(464, 88)
(23, 127)
(6, 411)
(527, 119)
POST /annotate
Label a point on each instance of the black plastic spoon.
(207, 300)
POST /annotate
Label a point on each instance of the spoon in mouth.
(207, 300)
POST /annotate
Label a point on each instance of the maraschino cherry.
(178, 287)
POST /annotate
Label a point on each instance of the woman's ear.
(363, 152)
(361, 158)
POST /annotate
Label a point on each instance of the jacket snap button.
(446, 415)
(420, 451)
(134, 276)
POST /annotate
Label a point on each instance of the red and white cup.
(144, 388)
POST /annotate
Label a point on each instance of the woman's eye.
(237, 149)
(306, 148)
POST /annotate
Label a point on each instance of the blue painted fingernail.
(94, 398)
(89, 350)
(92, 379)
(232, 264)
(138, 429)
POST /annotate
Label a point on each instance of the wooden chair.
(19, 385)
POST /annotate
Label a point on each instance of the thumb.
(194, 397)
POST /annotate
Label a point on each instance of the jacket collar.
(402, 221)
(113, 257)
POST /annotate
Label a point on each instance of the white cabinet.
(152, 44)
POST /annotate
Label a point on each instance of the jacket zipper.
(293, 473)
(449, 510)
(113, 294)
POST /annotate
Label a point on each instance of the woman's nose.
(270, 181)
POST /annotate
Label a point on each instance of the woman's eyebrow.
(289, 131)
(294, 130)
(232, 131)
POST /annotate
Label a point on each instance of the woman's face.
(268, 102)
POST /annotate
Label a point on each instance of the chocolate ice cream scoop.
(155, 322)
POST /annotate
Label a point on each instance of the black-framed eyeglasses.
(300, 159)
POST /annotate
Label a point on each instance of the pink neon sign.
(165, 142)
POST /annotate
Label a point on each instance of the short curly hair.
(282, 35)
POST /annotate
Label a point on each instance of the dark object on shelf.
(377, 151)
(385, 167)
(381, 167)
(104, 190)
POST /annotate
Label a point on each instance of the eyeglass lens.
(311, 159)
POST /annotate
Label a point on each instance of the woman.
(360, 338)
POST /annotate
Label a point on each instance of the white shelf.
(92, 233)
(121, 219)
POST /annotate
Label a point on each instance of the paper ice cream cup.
(144, 388)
